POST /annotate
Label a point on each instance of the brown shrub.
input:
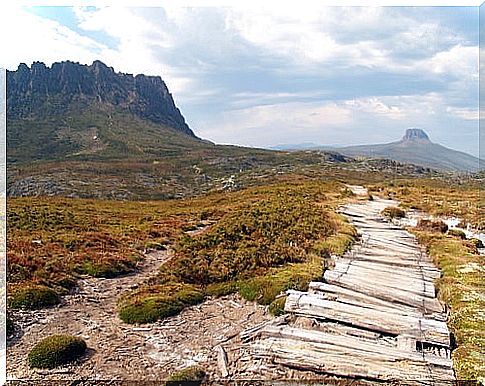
(432, 225)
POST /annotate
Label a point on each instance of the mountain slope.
(415, 147)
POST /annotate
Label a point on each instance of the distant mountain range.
(415, 147)
(87, 131)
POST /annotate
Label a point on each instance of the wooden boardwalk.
(375, 316)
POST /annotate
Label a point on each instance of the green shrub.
(457, 233)
(277, 306)
(190, 376)
(392, 212)
(107, 270)
(265, 288)
(258, 236)
(34, 297)
(149, 310)
(221, 289)
(56, 350)
(260, 289)
(156, 246)
(152, 307)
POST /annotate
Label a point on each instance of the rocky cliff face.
(415, 135)
(40, 91)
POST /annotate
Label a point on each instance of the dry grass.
(277, 239)
(52, 241)
(440, 197)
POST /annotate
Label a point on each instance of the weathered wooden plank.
(401, 279)
(365, 347)
(344, 361)
(385, 268)
(345, 295)
(385, 292)
(393, 242)
(365, 258)
(252, 332)
(398, 261)
(423, 329)
(401, 288)
(333, 328)
(385, 246)
(414, 272)
(222, 361)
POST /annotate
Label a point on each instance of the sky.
(265, 76)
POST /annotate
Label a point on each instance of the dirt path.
(121, 351)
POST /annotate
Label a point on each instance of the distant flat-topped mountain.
(416, 147)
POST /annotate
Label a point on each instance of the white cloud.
(28, 38)
(190, 47)
(468, 114)
(460, 61)
(258, 126)
(376, 106)
(373, 37)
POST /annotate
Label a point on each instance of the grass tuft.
(56, 350)
(163, 302)
(33, 297)
(457, 233)
(277, 306)
(432, 225)
(189, 376)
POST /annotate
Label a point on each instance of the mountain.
(40, 91)
(72, 110)
(416, 147)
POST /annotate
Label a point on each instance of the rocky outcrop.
(40, 90)
(415, 135)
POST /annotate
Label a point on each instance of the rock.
(415, 135)
(42, 91)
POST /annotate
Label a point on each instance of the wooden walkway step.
(349, 356)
